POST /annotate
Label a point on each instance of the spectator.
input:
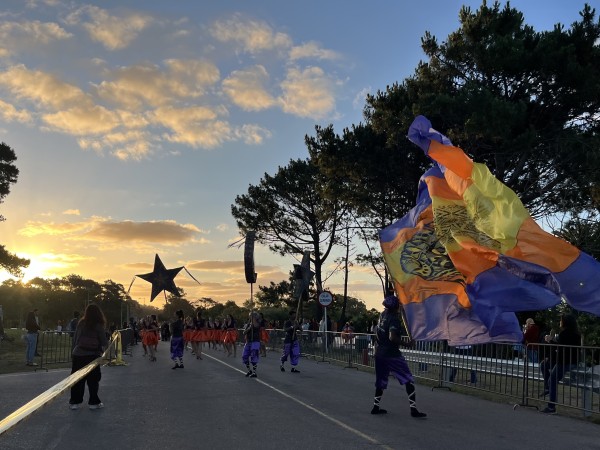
(90, 341)
(531, 337)
(59, 327)
(33, 326)
(347, 332)
(73, 323)
(565, 356)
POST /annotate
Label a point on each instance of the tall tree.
(291, 213)
(374, 174)
(525, 103)
(8, 175)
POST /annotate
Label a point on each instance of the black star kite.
(162, 279)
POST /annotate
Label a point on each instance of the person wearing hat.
(389, 359)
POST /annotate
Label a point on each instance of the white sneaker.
(98, 406)
(74, 406)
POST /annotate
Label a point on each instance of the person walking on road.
(252, 346)
(90, 341)
(389, 359)
(291, 347)
(177, 340)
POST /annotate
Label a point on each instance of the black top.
(289, 328)
(568, 355)
(177, 328)
(252, 333)
(31, 323)
(388, 320)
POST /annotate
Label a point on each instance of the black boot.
(414, 412)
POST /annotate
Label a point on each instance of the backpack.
(88, 342)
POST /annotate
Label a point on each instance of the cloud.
(246, 89)
(72, 212)
(101, 230)
(166, 232)
(308, 93)
(15, 36)
(9, 113)
(222, 227)
(113, 32)
(312, 50)
(252, 134)
(145, 84)
(253, 36)
(196, 126)
(42, 88)
(83, 120)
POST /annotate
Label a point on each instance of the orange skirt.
(231, 336)
(150, 338)
(200, 336)
(264, 336)
(187, 335)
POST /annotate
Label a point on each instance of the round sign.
(325, 298)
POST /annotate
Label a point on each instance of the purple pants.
(250, 353)
(293, 351)
(395, 365)
(176, 347)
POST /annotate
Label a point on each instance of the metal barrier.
(505, 369)
(55, 348)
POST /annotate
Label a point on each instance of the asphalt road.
(210, 404)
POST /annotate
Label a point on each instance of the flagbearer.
(389, 359)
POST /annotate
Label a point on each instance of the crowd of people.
(192, 334)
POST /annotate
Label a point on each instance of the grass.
(12, 353)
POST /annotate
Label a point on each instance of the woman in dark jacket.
(90, 341)
(565, 356)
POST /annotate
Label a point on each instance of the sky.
(137, 123)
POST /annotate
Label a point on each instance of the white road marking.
(312, 408)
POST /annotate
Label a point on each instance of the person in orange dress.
(231, 335)
(199, 335)
(150, 339)
(264, 335)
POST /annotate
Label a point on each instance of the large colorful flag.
(468, 255)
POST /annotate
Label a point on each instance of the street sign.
(325, 298)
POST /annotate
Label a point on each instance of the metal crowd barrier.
(55, 348)
(511, 370)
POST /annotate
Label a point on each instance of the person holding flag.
(389, 359)
(291, 347)
(252, 346)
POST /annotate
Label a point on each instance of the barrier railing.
(55, 348)
(505, 369)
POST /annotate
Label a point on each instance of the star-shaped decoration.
(162, 279)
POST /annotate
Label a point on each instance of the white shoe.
(74, 406)
(98, 406)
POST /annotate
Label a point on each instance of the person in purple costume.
(291, 347)
(252, 347)
(389, 359)
(177, 340)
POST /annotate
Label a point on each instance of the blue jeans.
(31, 347)
(532, 355)
(557, 373)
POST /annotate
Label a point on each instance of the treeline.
(56, 300)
